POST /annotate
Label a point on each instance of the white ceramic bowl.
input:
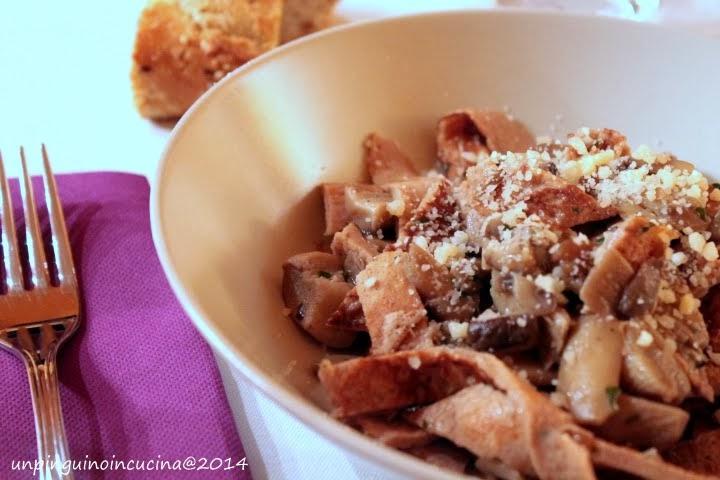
(236, 192)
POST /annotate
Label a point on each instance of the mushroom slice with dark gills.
(516, 294)
(504, 334)
(641, 294)
(523, 249)
(313, 288)
(618, 259)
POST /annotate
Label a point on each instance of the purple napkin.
(138, 382)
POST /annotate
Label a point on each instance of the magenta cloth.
(138, 382)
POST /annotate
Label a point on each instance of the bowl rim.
(310, 415)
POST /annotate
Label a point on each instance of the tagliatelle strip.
(534, 309)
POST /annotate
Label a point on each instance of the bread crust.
(183, 46)
(302, 17)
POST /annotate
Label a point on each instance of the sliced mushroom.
(589, 375)
(385, 161)
(515, 294)
(554, 334)
(336, 213)
(506, 334)
(624, 250)
(606, 282)
(641, 294)
(651, 369)
(312, 295)
(526, 251)
(368, 207)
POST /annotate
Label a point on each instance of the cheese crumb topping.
(645, 339)
(688, 304)
(697, 242)
(457, 330)
(396, 207)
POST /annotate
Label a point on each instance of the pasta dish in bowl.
(532, 309)
(382, 246)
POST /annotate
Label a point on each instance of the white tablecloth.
(64, 80)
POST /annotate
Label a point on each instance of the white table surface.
(64, 80)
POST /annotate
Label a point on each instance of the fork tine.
(11, 254)
(60, 240)
(36, 254)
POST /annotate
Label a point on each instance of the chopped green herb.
(600, 240)
(716, 185)
(324, 274)
(701, 213)
(612, 393)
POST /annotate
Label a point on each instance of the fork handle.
(49, 426)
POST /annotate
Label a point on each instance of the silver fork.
(36, 319)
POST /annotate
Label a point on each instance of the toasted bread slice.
(183, 46)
